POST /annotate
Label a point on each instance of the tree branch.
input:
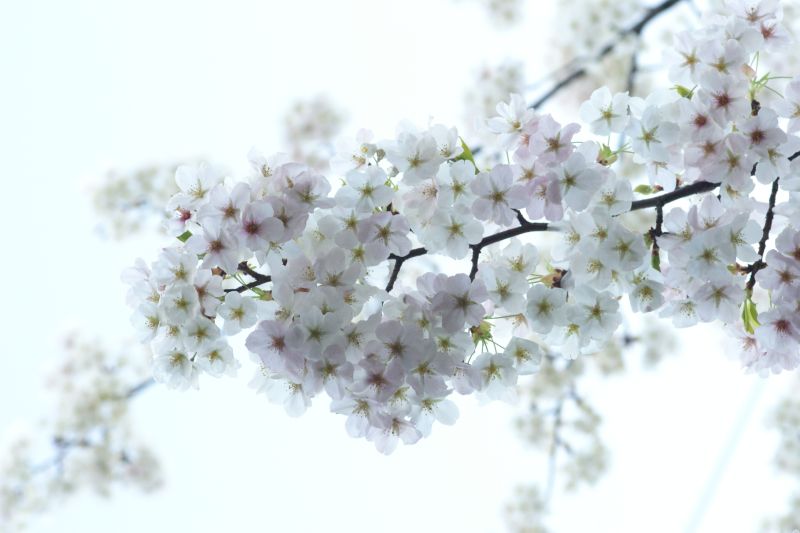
(630, 85)
(552, 462)
(63, 446)
(141, 387)
(635, 29)
(398, 264)
(680, 192)
(687, 190)
(259, 278)
(524, 227)
(762, 244)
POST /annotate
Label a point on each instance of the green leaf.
(655, 261)
(466, 155)
(750, 315)
(482, 332)
(262, 294)
(684, 92)
(644, 189)
(183, 237)
(606, 156)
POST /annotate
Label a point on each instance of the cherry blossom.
(409, 272)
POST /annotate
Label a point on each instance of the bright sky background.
(88, 85)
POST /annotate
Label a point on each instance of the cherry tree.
(317, 272)
(396, 273)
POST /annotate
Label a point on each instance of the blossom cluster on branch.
(128, 202)
(786, 419)
(316, 268)
(90, 441)
(559, 418)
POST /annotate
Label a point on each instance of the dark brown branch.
(687, 190)
(512, 232)
(259, 278)
(681, 192)
(524, 227)
(655, 233)
(762, 244)
(398, 264)
(527, 227)
(659, 219)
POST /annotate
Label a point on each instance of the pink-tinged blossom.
(725, 97)
(332, 372)
(196, 183)
(545, 308)
(216, 359)
(552, 143)
(460, 302)
(365, 190)
(789, 106)
(209, 291)
(385, 233)
(258, 227)
(544, 198)
(239, 312)
(269, 342)
(224, 207)
(417, 157)
(526, 355)
(578, 181)
(453, 231)
(498, 377)
(175, 370)
(498, 196)
(513, 117)
(605, 113)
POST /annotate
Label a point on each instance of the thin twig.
(552, 462)
(635, 29)
(138, 389)
(259, 279)
(655, 233)
(687, 190)
(524, 227)
(762, 244)
(630, 85)
(63, 446)
(398, 263)
(697, 187)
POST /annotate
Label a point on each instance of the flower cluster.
(503, 13)
(560, 420)
(489, 85)
(310, 126)
(785, 418)
(92, 443)
(582, 29)
(316, 268)
(130, 201)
